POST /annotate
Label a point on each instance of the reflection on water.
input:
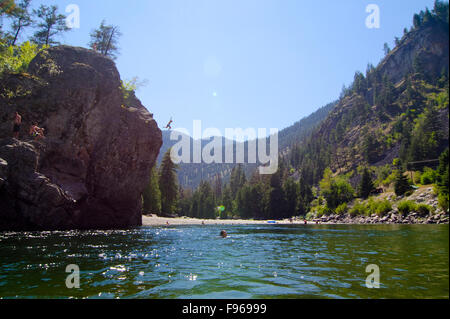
(259, 261)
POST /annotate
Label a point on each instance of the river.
(254, 261)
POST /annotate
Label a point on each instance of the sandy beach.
(154, 220)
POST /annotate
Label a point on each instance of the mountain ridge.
(190, 175)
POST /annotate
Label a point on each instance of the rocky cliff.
(90, 170)
(428, 45)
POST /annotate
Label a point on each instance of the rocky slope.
(372, 120)
(90, 170)
(357, 116)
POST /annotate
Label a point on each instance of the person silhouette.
(17, 124)
(169, 126)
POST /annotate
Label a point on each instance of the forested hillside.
(398, 109)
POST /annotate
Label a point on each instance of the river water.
(255, 261)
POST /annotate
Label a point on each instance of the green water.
(269, 261)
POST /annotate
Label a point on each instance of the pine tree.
(401, 183)
(386, 49)
(386, 95)
(168, 184)
(195, 206)
(257, 200)
(21, 19)
(185, 201)
(50, 24)
(237, 179)
(305, 196)
(218, 187)
(417, 21)
(370, 147)
(426, 136)
(7, 8)
(441, 10)
(359, 83)
(206, 205)
(244, 203)
(366, 186)
(291, 191)
(105, 40)
(419, 66)
(152, 195)
(276, 198)
(227, 202)
(428, 18)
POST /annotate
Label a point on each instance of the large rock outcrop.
(427, 46)
(97, 154)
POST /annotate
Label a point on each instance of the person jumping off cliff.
(17, 124)
(169, 126)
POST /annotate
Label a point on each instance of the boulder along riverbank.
(423, 195)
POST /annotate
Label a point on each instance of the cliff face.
(428, 44)
(98, 149)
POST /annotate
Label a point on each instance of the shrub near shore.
(420, 207)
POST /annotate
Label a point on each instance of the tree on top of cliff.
(7, 8)
(441, 10)
(21, 19)
(439, 13)
(50, 24)
(105, 40)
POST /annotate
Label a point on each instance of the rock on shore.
(91, 169)
(392, 217)
(422, 196)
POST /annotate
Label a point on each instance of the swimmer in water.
(223, 234)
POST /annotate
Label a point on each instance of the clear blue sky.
(242, 63)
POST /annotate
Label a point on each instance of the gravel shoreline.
(393, 218)
(154, 220)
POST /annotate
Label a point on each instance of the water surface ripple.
(255, 261)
